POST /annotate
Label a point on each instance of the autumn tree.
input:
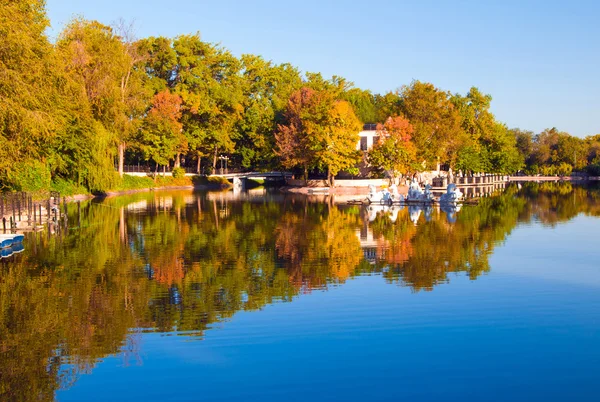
(292, 137)
(436, 121)
(394, 150)
(335, 143)
(162, 138)
(319, 132)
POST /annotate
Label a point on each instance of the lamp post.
(223, 158)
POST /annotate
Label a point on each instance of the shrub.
(169, 181)
(211, 180)
(548, 170)
(178, 172)
(128, 182)
(564, 169)
(67, 187)
(30, 176)
(218, 180)
(532, 170)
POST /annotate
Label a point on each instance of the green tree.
(31, 90)
(436, 121)
(210, 85)
(364, 104)
(267, 88)
(134, 92)
(484, 144)
(100, 63)
(388, 105)
(525, 144)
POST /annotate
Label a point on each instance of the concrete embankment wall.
(553, 178)
(338, 183)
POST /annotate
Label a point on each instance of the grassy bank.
(131, 183)
(127, 183)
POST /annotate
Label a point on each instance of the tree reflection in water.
(182, 262)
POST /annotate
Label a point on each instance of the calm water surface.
(194, 296)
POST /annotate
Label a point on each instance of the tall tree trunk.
(330, 178)
(199, 164)
(121, 158)
(305, 176)
(177, 160)
(164, 170)
(156, 171)
(215, 160)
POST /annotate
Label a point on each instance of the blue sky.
(538, 59)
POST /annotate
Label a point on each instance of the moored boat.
(7, 240)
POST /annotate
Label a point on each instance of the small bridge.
(239, 179)
(257, 175)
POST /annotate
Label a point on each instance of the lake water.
(217, 297)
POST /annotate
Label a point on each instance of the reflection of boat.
(8, 240)
(414, 211)
(450, 210)
(390, 210)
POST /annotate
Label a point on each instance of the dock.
(21, 212)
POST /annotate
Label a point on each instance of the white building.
(368, 137)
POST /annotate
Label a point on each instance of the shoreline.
(312, 190)
(344, 190)
(109, 194)
(552, 178)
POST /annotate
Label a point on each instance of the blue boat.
(12, 250)
(7, 240)
(17, 248)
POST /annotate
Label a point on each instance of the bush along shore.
(126, 184)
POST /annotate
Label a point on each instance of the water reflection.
(183, 262)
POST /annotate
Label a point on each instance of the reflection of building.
(138, 206)
(367, 243)
(368, 137)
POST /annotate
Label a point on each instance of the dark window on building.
(363, 143)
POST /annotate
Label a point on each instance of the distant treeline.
(72, 110)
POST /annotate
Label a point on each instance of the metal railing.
(188, 169)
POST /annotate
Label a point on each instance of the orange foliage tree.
(162, 136)
(319, 132)
(394, 151)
